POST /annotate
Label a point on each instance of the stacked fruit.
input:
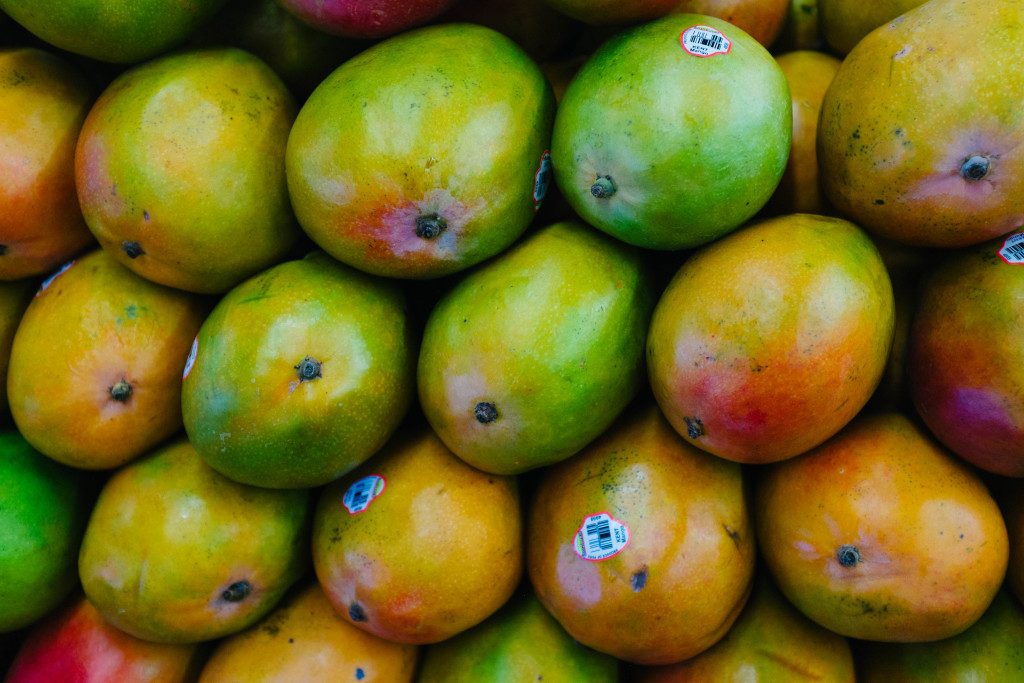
(411, 341)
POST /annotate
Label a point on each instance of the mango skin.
(990, 650)
(520, 643)
(451, 120)
(184, 157)
(439, 550)
(43, 104)
(964, 359)
(551, 334)
(694, 145)
(843, 23)
(250, 414)
(686, 572)
(768, 341)
(169, 536)
(931, 543)
(305, 639)
(43, 508)
(108, 30)
(75, 644)
(911, 103)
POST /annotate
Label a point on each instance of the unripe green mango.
(535, 353)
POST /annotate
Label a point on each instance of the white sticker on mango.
(1012, 250)
(600, 536)
(362, 492)
(705, 41)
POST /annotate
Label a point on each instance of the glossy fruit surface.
(300, 373)
(882, 534)
(180, 169)
(641, 545)
(766, 342)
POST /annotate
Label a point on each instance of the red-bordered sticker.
(60, 271)
(542, 180)
(704, 41)
(600, 536)
(362, 492)
(191, 360)
(1012, 250)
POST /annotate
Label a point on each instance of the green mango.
(424, 154)
(673, 132)
(43, 509)
(112, 30)
(299, 374)
(533, 354)
(521, 642)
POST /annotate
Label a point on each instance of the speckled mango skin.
(965, 362)
(109, 30)
(910, 104)
(551, 334)
(932, 544)
(766, 342)
(43, 103)
(184, 156)
(520, 642)
(450, 120)
(250, 414)
(169, 535)
(694, 145)
(691, 547)
(93, 326)
(305, 639)
(437, 552)
(988, 651)
(770, 641)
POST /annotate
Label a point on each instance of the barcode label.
(1012, 250)
(49, 281)
(704, 41)
(600, 536)
(362, 492)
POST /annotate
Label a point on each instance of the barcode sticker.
(49, 281)
(362, 492)
(1012, 250)
(705, 41)
(600, 536)
(191, 360)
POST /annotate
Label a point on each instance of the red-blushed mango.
(43, 103)
(990, 650)
(529, 357)
(843, 23)
(965, 360)
(641, 545)
(416, 546)
(519, 642)
(673, 133)
(305, 639)
(921, 130)
(94, 378)
(424, 154)
(43, 507)
(762, 20)
(809, 73)
(365, 19)
(180, 169)
(110, 31)
(299, 374)
(770, 641)
(766, 342)
(75, 644)
(176, 553)
(882, 534)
